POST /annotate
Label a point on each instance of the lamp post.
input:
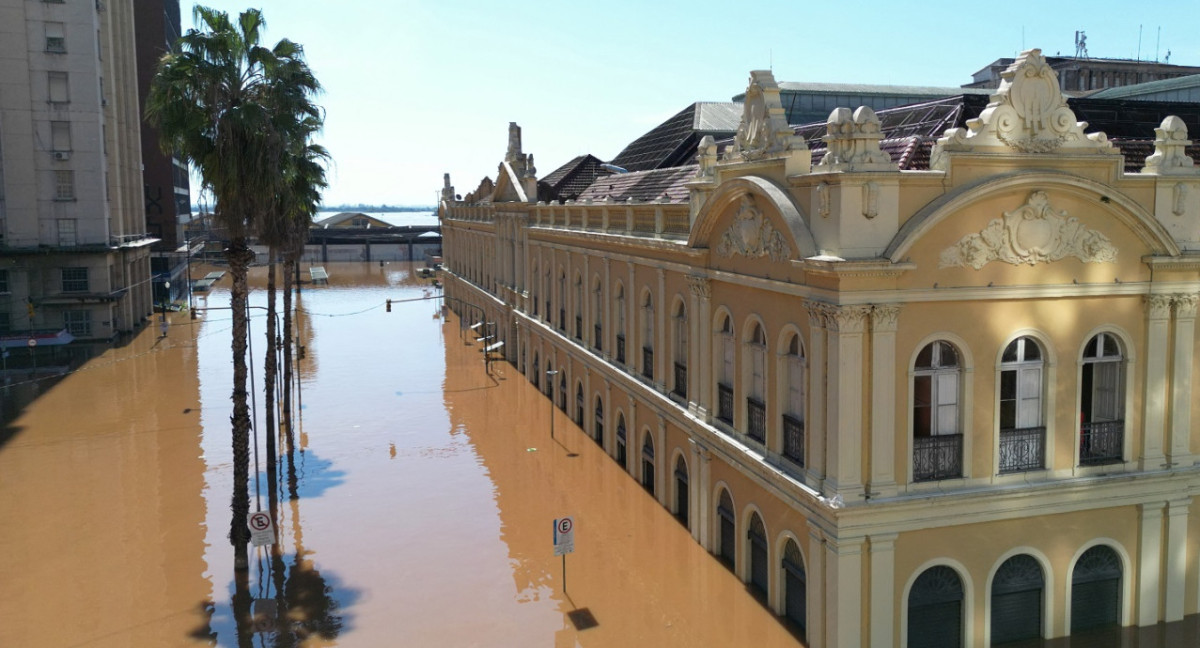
(550, 374)
(166, 300)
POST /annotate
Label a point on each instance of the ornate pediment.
(1028, 114)
(752, 235)
(763, 131)
(1033, 233)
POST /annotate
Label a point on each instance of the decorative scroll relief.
(752, 235)
(1033, 233)
(764, 130)
(1028, 114)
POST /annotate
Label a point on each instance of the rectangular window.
(60, 135)
(64, 185)
(66, 232)
(5, 323)
(56, 40)
(4, 280)
(74, 279)
(78, 322)
(59, 87)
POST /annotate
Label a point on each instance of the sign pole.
(564, 557)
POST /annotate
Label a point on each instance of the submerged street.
(425, 494)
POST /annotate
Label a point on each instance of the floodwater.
(426, 493)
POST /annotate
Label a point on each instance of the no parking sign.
(262, 529)
(564, 536)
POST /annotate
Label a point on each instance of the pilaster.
(610, 343)
(814, 458)
(699, 344)
(843, 588)
(1154, 398)
(819, 591)
(883, 586)
(883, 400)
(1150, 530)
(1176, 560)
(844, 440)
(662, 462)
(702, 495)
(1181, 379)
(661, 350)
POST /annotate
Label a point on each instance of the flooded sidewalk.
(426, 493)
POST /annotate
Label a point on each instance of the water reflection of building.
(72, 231)
(918, 375)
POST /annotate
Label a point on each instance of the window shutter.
(947, 403)
(1029, 397)
(1105, 400)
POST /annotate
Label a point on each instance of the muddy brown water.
(426, 494)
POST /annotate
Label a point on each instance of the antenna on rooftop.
(1139, 54)
(1081, 44)
(1156, 41)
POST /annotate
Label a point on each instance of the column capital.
(884, 316)
(847, 319)
(700, 286)
(1158, 306)
(1179, 507)
(1185, 305)
(1151, 509)
(845, 546)
(883, 541)
(816, 313)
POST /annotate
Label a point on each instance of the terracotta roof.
(643, 186)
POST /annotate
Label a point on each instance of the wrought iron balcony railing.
(756, 419)
(725, 403)
(680, 388)
(937, 457)
(1022, 449)
(793, 440)
(1101, 442)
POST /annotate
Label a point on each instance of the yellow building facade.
(938, 407)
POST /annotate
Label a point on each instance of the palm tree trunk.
(288, 337)
(239, 257)
(269, 373)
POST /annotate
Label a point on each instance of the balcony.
(793, 440)
(1022, 449)
(680, 388)
(1101, 442)
(620, 348)
(725, 404)
(598, 340)
(756, 419)
(937, 457)
(648, 363)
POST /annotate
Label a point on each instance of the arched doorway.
(681, 491)
(727, 530)
(935, 609)
(1096, 589)
(756, 546)
(598, 431)
(1017, 600)
(579, 405)
(621, 441)
(795, 586)
(535, 377)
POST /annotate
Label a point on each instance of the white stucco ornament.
(752, 235)
(1028, 114)
(1170, 150)
(763, 131)
(1033, 233)
(852, 142)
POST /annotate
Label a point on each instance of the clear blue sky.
(415, 88)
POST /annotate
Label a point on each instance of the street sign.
(32, 342)
(564, 536)
(262, 530)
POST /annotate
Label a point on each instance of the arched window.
(795, 586)
(648, 337)
(562, 300)
(535, 292)
(548, 293)
(1102, 402)
(935, 609)
(620, 324)
(598, 316)
(680, 350)
(727, 534)
(621, 441)
(725, 372)
(536, 376)
(756, 407)
(937, 437)
(578, 307)
(1017, 600)
(756, 545)
(598, 430)
(681, 491)
(648, 463)
(1096, 589)
(793, 406)
(579, 404)
(1022, 427)
(550, 373)
(562, 390)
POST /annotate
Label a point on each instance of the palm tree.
(226, 103)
